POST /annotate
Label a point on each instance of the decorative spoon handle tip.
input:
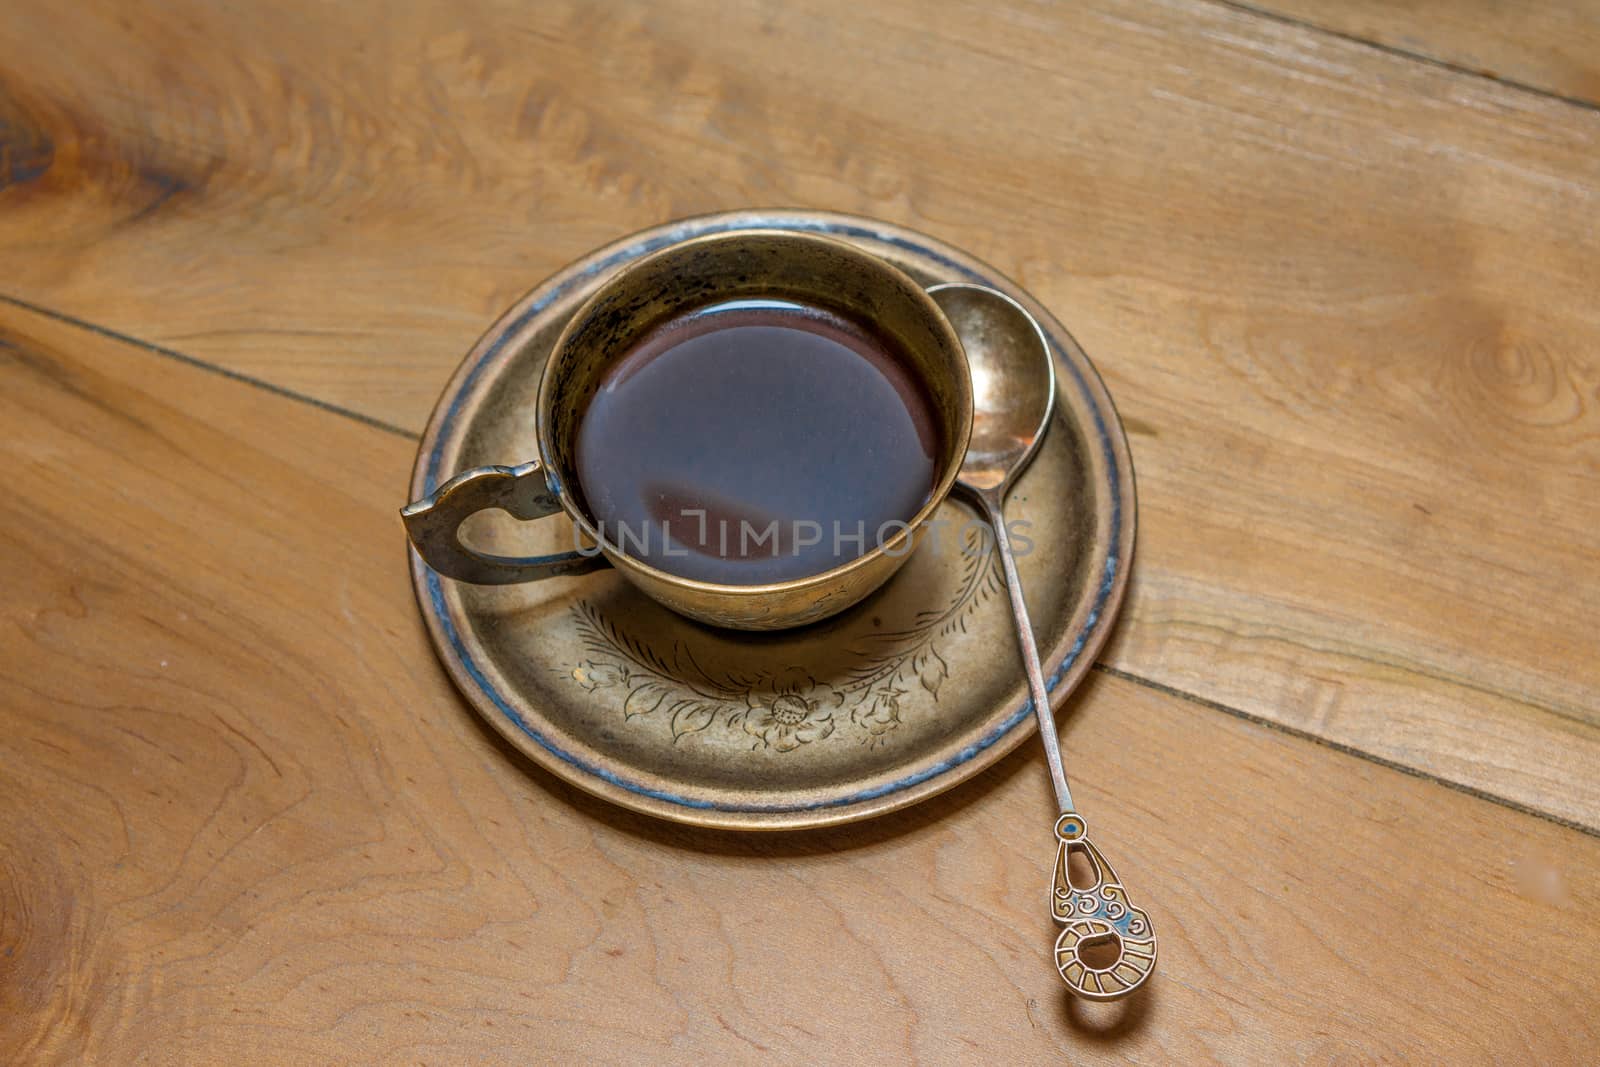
(1107, 947)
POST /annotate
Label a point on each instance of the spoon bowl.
(1013, 388)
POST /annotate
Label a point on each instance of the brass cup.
(777, 264)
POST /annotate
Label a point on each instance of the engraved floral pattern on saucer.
(792, 707)
(896, 699)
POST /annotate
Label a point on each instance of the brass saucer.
(903, 696)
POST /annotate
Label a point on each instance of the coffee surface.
(756, 441)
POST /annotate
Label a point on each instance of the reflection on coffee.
(756, 441)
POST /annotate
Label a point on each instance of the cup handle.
(434, 526)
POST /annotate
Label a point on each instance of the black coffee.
(756, 441)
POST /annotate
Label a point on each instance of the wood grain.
(1554, 47)
(1344, 299)
(244, 817)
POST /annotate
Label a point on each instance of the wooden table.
(1338, 262)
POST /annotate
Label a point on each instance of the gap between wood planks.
(1401, 53)
(1149, 683)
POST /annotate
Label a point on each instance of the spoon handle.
(1107, 947)
(1030, 653)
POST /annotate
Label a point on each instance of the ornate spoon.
(1107, 948)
